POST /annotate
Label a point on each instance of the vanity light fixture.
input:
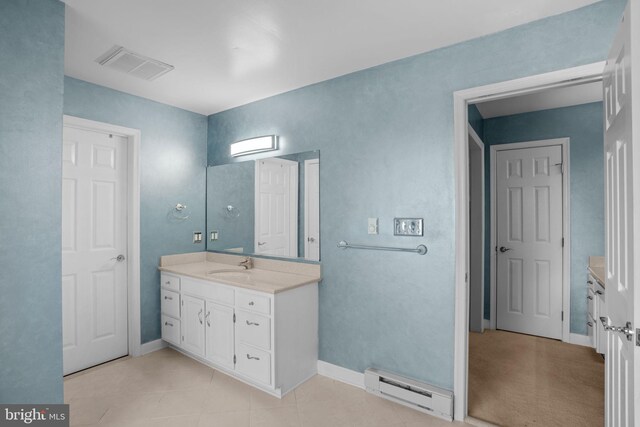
(254, 145)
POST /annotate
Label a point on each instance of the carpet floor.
(522, 380)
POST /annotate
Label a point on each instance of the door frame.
(566, 231)
(306, 204)
(461, 100)
(477, 141)
(133, 137)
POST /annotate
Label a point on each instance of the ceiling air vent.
(134, 64)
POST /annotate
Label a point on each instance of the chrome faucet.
(247, 263)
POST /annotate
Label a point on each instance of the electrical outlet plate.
(197, 237)
(214, 235)
(407, 227)
(372, 226)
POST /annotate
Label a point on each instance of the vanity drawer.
(254, 363)
(170, 282)
(215, 292)
(253, 329)
(170, 330)
(170, 303)
(253, 302)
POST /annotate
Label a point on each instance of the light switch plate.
(407, 226)
(197, 237)
(214, 235)
(373, 226)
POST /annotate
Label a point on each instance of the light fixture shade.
(254, 145)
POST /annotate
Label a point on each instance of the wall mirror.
(269, 206)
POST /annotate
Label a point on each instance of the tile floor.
(167, 389)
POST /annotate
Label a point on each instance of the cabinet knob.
(251, 303)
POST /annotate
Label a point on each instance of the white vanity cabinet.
(596, 309)
(268, 340)
(170, 308)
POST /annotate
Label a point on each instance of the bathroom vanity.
(596, 303)
(259, 325)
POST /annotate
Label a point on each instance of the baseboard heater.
(414, 394)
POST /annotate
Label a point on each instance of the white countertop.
(271, 276)
(596, 268)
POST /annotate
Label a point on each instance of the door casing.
(133, 225)
(461, 101)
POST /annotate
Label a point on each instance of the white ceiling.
(552, 98)
(230, 52)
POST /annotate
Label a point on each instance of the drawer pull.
(590, 324)
(252, 323)
(200, 316)
(589, 297)
(169, 298)
(207, 318)
(589, 282)
(599, 292)
(252, 357)
(168, 282)
(168, 324)
(251, 303)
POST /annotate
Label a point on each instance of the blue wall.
(386, 137)
(232, 184)
(31, 86)
(475, 120)
(583, 125)
(172, 170)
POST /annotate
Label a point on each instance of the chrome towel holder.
(420, 249)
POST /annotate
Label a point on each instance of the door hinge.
(234, 359)
(234, 318)
(183, 338)
(563, 242)
(466, 277)
(562, 316)
(638, 337)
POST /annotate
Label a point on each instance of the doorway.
(100, 239)
(462, 100)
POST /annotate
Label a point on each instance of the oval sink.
(243, 276)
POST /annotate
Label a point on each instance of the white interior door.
(94, 235)
(312, 209)
(622, 158)
(276, 226)
(529, 240)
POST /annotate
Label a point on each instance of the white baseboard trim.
(341, 374)
(578, 339)
(151, 346)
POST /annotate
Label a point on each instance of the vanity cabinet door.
(219, 334)
(193, 325)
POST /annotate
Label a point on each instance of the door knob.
(503, 249)
(119, 258)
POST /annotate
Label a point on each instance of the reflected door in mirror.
(276, 229)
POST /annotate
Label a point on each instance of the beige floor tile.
(262, 400)
(316, 389)
(90, 410)
(325, 413)
(284, 416)
(181, 402)
(132, 407)
(227, 395)
(225, 419)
